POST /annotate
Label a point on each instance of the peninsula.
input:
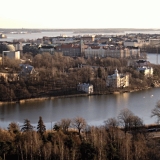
(55, 66)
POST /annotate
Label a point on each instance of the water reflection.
(153, 58)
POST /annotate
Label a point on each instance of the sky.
(79, 14)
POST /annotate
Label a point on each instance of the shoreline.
(74, 95)
(42, 98)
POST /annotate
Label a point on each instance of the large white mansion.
(118, 80)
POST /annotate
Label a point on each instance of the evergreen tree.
(27, 126)
(41, 128)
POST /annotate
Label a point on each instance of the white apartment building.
(11, 54)
(100, 51)
(117, 80)
(85, 87)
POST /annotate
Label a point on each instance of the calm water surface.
(153, 58)
(10, 37)
(95, 109)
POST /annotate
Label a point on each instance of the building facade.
(100, 51)
(155, 42)
(85, 87)
(71, 50)
(117, 80)
(46, 48)
(18, 46)
(147, 71)
(11, 54)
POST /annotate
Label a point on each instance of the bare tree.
(65, 124)
(137, 122)
(111, 122)
(156, 112)
(137, 126)
(79, 123)
(13, 127)
(125, 119)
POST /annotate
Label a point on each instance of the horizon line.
(80, 28)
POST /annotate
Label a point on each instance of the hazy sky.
(79, 14)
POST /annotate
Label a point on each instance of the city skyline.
(79, 14)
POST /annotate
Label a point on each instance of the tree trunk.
(4, 156)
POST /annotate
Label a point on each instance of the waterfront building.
(117, 80)
(147, 71)
(85, 87)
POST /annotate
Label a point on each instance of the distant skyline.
(68, 14)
